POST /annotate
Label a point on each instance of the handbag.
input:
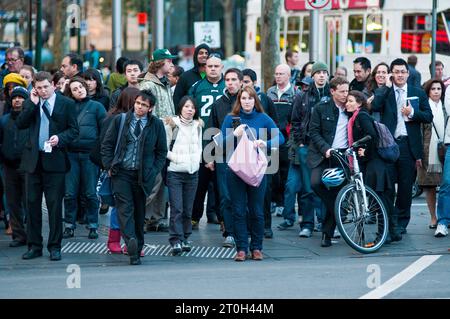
(441, 147)
(105, 191)
(248, 162)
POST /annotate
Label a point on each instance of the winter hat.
(162, 54)
(14, 78)
(307, 80)
(319, 66)
(20, 91)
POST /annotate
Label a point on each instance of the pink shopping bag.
(248, 162)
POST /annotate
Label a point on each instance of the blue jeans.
(114, 219)
(82, 173)
(222, 171)
(443, 209)
(182, 188)
(246, 199)
(299, 181)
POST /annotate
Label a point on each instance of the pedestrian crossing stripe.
(149, 250)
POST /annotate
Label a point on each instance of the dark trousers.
(83, 175)
(405, 174)
(15, 200)
(182, 188)
(279, 179)
(130, 204)
(205, 176)
(222, 171)
(267, 202)
(246, 199)
(328, 196)
(52, 186)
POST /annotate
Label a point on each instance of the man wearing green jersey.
(206, 92)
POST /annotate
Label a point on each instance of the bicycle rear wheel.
(363, 230)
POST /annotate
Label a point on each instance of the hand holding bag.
(248, 162)
(105, 191)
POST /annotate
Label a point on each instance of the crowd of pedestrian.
(159, 138)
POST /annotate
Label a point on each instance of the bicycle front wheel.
(365, 230)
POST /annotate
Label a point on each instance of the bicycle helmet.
(333, 177)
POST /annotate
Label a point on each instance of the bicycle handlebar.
(361, 141)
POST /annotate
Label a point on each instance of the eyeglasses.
(215, 55)
(400, 72)
(13, 60)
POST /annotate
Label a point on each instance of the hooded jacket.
(164, 103)
(12, 140)
(188, 78)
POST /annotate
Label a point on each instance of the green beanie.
(319, 66)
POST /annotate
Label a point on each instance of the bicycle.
(360, 214)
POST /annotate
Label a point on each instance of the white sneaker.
(279, 211)
(336, 234)
(229, 242)
(441, 231)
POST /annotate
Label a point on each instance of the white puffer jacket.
(186, 152)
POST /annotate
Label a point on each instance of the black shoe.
(213, 220)
(135, 261)
(403, 231)
(268, 233)
(161, 227)
(396, 237)
(132, 248)
(326, 240)
(93, 233)
(32, 253)
(68, 233)
(55, 255)
(104, 208)
(17, 243)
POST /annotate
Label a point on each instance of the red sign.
(142, 18)
(299, 5)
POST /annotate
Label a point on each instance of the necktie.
(44, 127)
(400, 98)
(137, 129)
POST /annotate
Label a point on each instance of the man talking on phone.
(403, 108)
(53, 125)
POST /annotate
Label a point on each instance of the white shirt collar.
(50, 101)
(404, 88)
(286, 88)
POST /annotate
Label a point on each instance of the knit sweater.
(186, 153)
(256, 121)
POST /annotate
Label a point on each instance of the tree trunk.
(228, 24)
(58, 31)
(270, 40)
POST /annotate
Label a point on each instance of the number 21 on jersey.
(206, 108)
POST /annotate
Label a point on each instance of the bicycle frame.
(355, 176)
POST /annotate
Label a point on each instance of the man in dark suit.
(403, 118)
(53, 125)
(327, 131)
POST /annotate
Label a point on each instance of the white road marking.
(402, 278)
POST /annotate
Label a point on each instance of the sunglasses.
(215, 55)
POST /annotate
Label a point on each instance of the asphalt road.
(293, 268)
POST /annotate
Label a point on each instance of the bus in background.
(353, 28)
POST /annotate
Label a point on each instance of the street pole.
(160, 24)
(30, 27)
(79, 32)
(37, 62)
(313, 35)
(116, 23)
(433, 39)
